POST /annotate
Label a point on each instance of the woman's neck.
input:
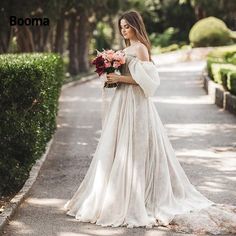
(133, 42)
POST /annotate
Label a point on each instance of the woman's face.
(126, 30)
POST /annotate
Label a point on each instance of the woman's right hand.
(113, 78)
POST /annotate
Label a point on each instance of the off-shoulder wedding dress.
(135, 179)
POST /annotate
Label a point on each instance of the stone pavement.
(203, 136)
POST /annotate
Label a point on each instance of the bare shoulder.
(142, 52)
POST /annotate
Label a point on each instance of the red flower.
(99, 62)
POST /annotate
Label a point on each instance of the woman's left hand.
(113, 78)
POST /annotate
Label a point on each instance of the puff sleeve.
(145, 73)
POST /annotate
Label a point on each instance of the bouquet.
(109, 61)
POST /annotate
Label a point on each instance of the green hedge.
(211, 61)
(225, 53)
(30, 86)
(221, 67)
(232, 59)
(221, 55)
(216, 70)
(224, 73)
(231, 82)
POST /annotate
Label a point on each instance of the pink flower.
(119, 56)
(116, 64)
(107, 64)
(110, 54)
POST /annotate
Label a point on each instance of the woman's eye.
(126, 27)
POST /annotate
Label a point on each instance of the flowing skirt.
(134, 178)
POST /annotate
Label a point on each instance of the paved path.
(203, 136)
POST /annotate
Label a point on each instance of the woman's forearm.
(127, 79)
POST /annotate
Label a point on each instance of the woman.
(135, 178)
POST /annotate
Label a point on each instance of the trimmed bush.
(232, 58)
(224, 52)
(210, 31)
(29, 90)
(231, 82)
(224, 76)
(212, 60)
(216, 71)
(221, 55)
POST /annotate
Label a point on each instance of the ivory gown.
(134, 178)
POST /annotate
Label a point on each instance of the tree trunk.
(46, 34)
(5, 38)
(199, 12)
(24, 39)
(5, 35)
(51, 36)
(40, 35)
(60, 28)
(72, 45)
(38, 32)
(83, 41)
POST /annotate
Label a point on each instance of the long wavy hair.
(135, 20)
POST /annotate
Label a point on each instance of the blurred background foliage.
(78, 27)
